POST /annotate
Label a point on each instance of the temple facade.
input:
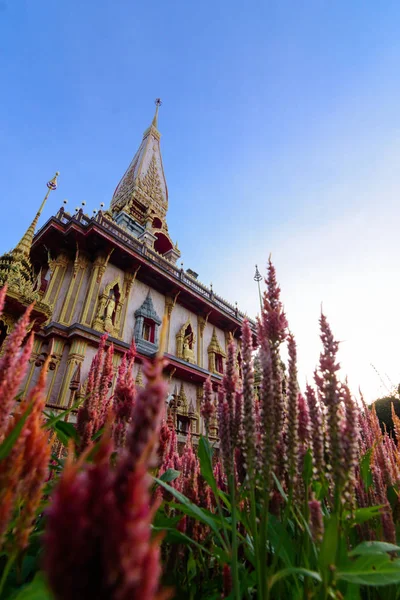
(117, 272)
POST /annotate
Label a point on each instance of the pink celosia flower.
(3, 292)
(224, 417)
(229, 387)
(329, 390)
(249, 427)
(91, 416)
(316, 520)
(293, 425)
(13, 365)
(207, 405)
(98, 540)
(317, 432)
(124, 397)
(349, 444)
(36, 457)
(148, 412)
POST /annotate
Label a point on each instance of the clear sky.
(280, 125)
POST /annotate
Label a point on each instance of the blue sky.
(280, 125)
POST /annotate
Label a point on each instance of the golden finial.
(158, 103)
(25, 244)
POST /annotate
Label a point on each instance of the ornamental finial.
(158, 103)
(257, 276)
(24, 246)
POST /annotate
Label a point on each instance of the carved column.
(67, 312)
(56, 355)
(37, 346)
(170, 302)
(199, 399)
(228, 337)
(58, 268)
(129, 280)
(201, 324)
(76, 355)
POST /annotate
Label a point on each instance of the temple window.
(147, 322)
(182, 423)
(148, 330)
(216, 355)
(219, 363)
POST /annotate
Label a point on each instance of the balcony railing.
(155, 257)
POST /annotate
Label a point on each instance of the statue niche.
(108, 316)
(185, 341)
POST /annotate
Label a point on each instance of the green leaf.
(329, 544)
(365, 469)
(373, 548)
(279, 538)
(204, 453)
(53, 419)
(375, 570)
(307, 468)
(191, 567)
(191, 509)
(8, 444)
(170, 475)
(280, 488)
(293, 571)
(173, 536)
(68, 430)
(35, 590)
(367, 513)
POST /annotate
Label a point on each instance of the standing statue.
(109, 312)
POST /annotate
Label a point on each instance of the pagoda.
(116, 272)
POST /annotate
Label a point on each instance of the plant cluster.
(298, 499)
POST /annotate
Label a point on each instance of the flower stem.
(234, 555)
(4, 575)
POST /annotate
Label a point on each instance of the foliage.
(298, 499)
(383, 408)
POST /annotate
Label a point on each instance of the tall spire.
(25, 244)
(143, 190)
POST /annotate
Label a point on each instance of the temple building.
(116, 272)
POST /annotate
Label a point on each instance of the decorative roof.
(214, 345)
(147, 310)
(142, 190)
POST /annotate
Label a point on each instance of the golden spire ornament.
(158, 103)
(24, 246)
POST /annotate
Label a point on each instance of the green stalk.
(234, 554)
(9, 564)
(253, 520)
(264, 591)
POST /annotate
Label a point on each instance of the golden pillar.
(80, 265)
(170, 302)
(58, 268)
(201, 324)
(98, 269)
(76, 355)
(56, 347)
(129, 280)
(37, 346)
